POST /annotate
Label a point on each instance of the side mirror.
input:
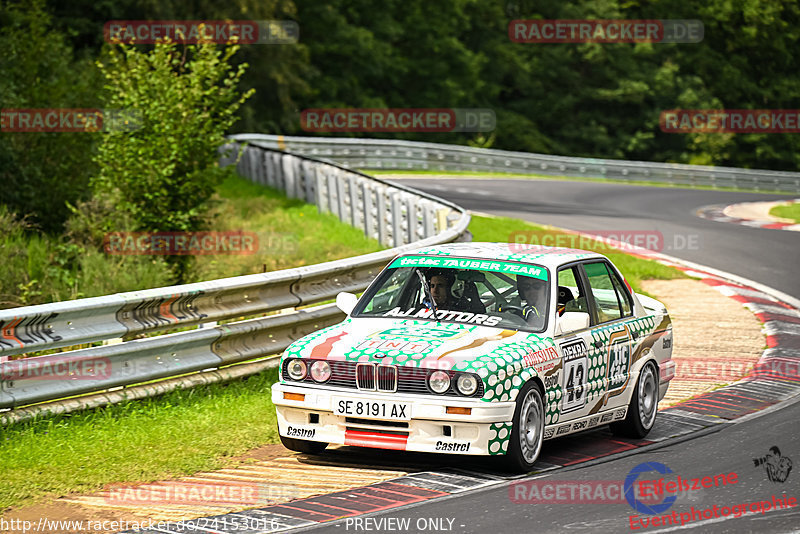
(346, 302)
(572, 321)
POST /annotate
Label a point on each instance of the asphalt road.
(730, 450)
(763, 255)
(766, 256)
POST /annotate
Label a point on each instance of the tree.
(164, 170)
(41, 172)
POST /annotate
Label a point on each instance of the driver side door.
(579, 379)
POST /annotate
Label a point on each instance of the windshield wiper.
(427, 289)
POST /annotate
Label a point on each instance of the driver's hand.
(530, 312)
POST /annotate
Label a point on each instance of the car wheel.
(526, 435)
(643, 407)
(301, 445)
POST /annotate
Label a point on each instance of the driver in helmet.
(533, 296)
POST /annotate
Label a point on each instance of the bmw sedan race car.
(480, 349)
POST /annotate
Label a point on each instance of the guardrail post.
(321, 189)
(333, 193)
(383, 222)
(412, 219)
(369, 217)
(355, 205)
(397, 219)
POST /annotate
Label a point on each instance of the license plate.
(351, 407)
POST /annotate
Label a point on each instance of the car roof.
(540, 255)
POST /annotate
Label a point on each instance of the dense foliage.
(599, 100)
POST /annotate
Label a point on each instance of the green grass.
(39, 268)
(504, 230)
(186, 431)
(788, 211)
(290, 232)
(517, 176)
(176, 434)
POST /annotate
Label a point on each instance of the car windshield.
(480, 292)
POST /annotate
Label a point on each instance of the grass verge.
(516, 176)
(788, 211)
(39, 268)
(176, 434)
(290, 232)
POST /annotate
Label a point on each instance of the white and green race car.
(479, 348)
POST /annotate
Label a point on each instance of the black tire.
(526, 435)
(643, 407)
(301, 445)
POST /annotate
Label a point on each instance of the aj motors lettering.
(158, 312)
(24, 331)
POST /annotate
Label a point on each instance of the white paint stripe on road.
(766, 308)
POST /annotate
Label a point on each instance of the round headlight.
(439, 381)
(467, 384)
(320, 371)
(296, 369)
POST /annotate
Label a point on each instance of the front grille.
(375, 422)
(365, 376)
(368, 376)
(372, 377)
(387, 378)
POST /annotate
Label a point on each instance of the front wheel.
(528, 431)
(643, 406)
(301, 445)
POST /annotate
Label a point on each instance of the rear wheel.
(643, 407)
(526, 435)
(301, 445)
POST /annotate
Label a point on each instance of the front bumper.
(485, 431)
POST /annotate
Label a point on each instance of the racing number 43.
(575, 391)
(576, 364)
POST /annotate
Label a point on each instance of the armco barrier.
(411, 155)
(400, 217)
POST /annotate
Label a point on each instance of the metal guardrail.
(398, 216)
(411, 155)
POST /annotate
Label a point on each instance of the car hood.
(416, 343)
